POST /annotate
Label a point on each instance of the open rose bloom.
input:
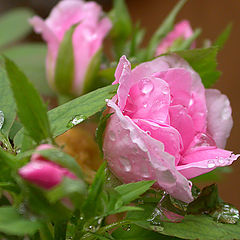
(166, 126)
(87, 37)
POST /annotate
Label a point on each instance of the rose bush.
(87, 37)
(181, 32)
(42, 172)
(166, 126)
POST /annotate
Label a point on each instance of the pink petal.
(181, 120)
(133, 155)
(219, 117)
(180, 82)
(41, 173)
(166, 134)
(122, 76)
(205, 160)
(148, 99)
(37, 156)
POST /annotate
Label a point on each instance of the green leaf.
(14, 224)
(64, 70)
(89, 207)
(75, 189)
(204, 62)
(85, 106)
(63, 117)
(132, 191)
(8, 108)
(122, 25)
(91, 73)
(221, 40)
(31, 58)
(14, 25)
(30, 108)
(62, 159)
(133, 232)
(202, 228)
(14, 129)
(162, 31)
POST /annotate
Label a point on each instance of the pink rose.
(43, 172)
(166, 126)
(181, 31)
(87, 37)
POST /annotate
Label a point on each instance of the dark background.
(212, 16)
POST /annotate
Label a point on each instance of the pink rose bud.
(43, 172)
(181, 32)
(87, 37)
(166, 126)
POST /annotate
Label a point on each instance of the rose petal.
(181, 120)
(166, 134)
(133, 156)
(219, 117)
(148, 99)
(41, 173)
(203, 161)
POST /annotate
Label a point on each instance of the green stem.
(79, 229)
(60, 229)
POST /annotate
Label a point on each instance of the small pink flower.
(181, 31)
(166, 126)
(87, 37)
(43, 172)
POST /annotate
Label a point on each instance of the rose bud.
(87, 38)
(181, 32)
(166, 126)
(42, 172)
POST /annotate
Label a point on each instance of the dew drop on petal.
(145, 86)
(125, 163)
(112, 136)
(211, 164)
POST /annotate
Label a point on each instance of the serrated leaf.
(14, 224)
(14, 25)
(165, 27)
(221, 40)
(132, 191)
(204, 62)
(31, 58)
(31, 110)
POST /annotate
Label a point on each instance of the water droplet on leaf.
(1, 119)
(126, 227)
(76, 120)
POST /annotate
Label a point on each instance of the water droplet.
(126, 227)
(221, 161)
(145, 86)
(76, 120)
(145, 105)
(1, 119)
(211, 164)
(191, 102)
(202, 140)
(112, 135)
(125, 163)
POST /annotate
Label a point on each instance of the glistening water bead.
(76, 120)
(1, 119)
